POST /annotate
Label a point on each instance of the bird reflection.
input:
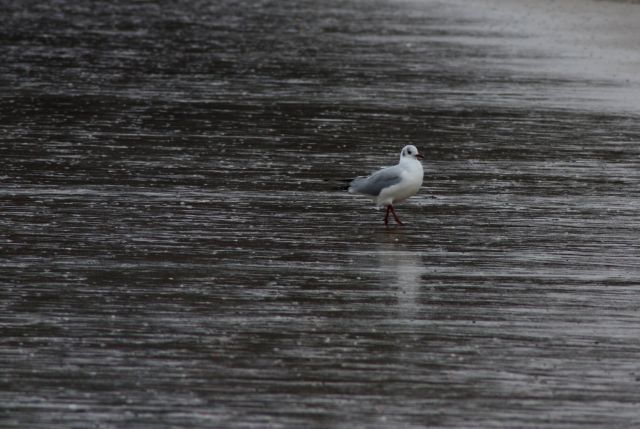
(401, 269)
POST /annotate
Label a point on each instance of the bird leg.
(386, 216)
(393, 212)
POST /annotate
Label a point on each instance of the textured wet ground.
(175, 251)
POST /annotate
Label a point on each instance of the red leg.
(386, 216)
(395, 216)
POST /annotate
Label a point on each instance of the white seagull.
(393, 184)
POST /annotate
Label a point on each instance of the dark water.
(175, 251)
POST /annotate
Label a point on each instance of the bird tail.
(340, 184)
(352, 187)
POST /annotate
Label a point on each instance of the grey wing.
(374, 184)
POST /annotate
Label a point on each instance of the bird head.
(410, 151)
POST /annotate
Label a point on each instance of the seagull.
(392, 184)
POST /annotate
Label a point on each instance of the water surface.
(176, 251)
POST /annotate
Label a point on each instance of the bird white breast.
(411, 181)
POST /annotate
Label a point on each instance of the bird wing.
(374, 184)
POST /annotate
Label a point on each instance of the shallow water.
(176, 251)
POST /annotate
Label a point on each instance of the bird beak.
(419, 156)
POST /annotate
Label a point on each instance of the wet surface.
(176, 253)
